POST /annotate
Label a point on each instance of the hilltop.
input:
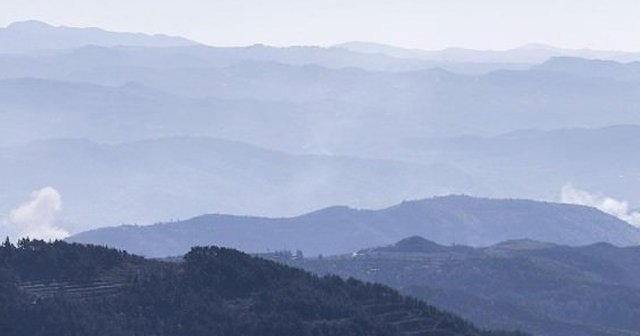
(542, 288)
(70, 289)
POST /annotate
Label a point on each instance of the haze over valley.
(356, 124)
(281, 168)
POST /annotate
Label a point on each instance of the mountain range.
(168, 178)
(527, 54)
(345, 124)
(36, 36)
(109, 130)
(343, 111)
(447, 220)
(597, 159)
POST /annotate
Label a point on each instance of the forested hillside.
(70, 289)
(541, 288)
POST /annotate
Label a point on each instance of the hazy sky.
(427, 24)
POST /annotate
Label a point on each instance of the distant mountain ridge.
(349, 106)
(37, 36)
(176, 177)
(596, 159)
(529, 53)
(33, 36)
(598, 68)
(446, 220)
(357, 128)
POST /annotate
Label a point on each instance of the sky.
(424, 24)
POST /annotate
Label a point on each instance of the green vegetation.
(215, 291)
(540, 288)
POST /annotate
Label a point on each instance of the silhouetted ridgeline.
(446, 220)
(36, 36)
(58, 289)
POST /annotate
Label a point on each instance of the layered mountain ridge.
(447, 220)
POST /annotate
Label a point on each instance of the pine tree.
(7, 244)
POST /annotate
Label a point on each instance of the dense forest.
(71, 289)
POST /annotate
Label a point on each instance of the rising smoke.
(36, 219)
(612, 206)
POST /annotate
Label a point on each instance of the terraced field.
(78, 290)
(408, 322)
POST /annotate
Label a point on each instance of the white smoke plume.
(612, 206)
(36, 218)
